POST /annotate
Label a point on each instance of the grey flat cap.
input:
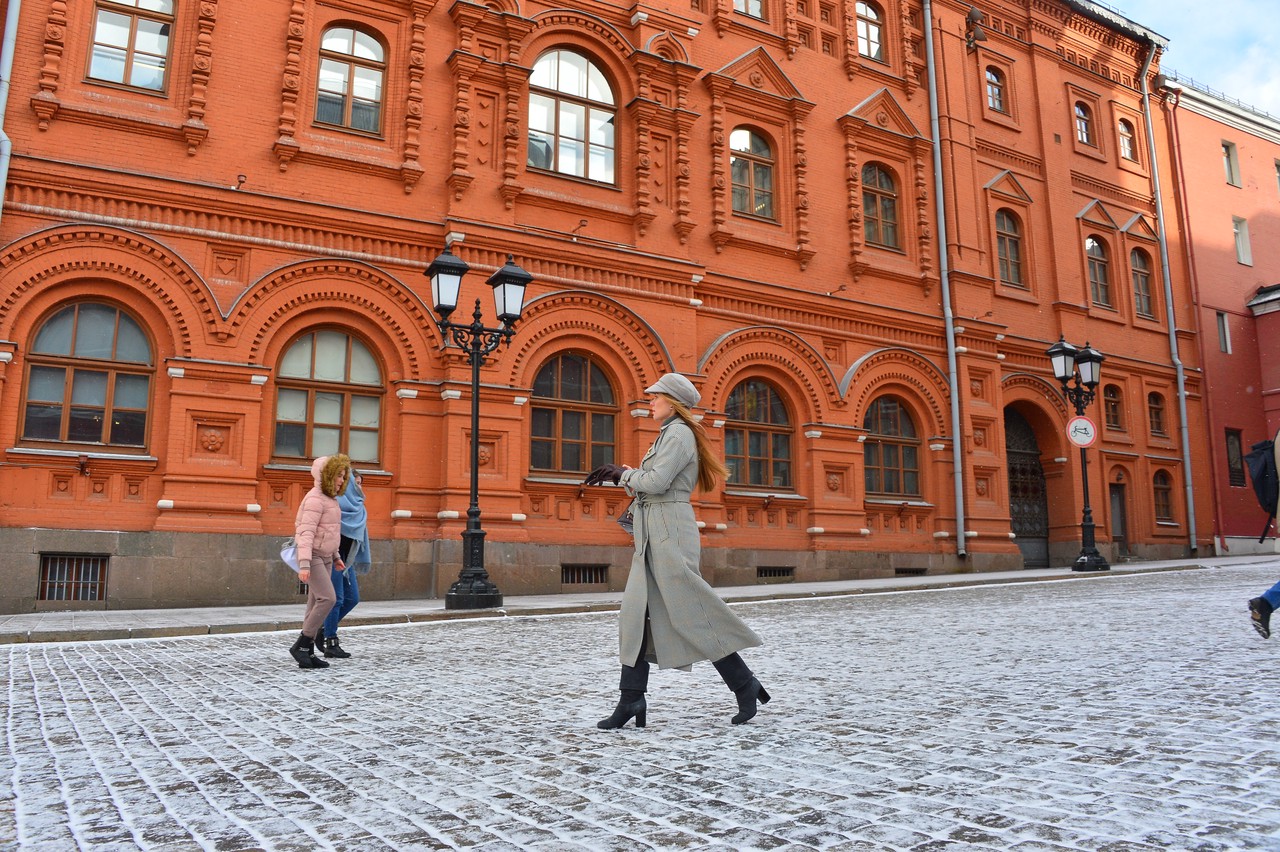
(678, 388)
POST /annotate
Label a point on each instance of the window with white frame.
(751, 169)
(996, 90)
(754, 8)
(1231, 162)
(1224, 333)
(1128, 140)
(1084, 123)
(1240, 232)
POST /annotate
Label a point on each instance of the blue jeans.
(1272, 596)
(346, 592)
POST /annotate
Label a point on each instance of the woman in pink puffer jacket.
(317, 532)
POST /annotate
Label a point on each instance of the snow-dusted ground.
(1110, 713)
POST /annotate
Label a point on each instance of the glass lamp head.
(446, 273)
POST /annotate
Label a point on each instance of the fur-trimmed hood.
(325, 470)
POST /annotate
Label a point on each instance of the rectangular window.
(1235, 458)
(1240, 228)
(1231, 163)
(1224, 333)
(66, 577)
(1278, 175)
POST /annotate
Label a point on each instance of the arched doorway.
(1028, 503)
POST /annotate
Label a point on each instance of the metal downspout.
(1188, 484)
(944, 269)
(6, 70)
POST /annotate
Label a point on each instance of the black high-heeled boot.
(631, 683)
(744, 685)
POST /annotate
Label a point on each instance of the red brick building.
(1228, 192)
(856, 226)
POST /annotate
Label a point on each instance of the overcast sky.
(1230, 46)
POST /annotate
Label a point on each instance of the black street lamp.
(1079, 371)
(473, 589)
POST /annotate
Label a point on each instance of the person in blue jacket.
(354, 551)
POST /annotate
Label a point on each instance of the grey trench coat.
(688, 621)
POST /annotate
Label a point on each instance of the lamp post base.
(473, 595)
(1091, 561)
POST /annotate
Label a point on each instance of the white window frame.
(1240, 232)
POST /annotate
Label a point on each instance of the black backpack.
(1261, 462)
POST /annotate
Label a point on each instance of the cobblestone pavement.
(1121, 713)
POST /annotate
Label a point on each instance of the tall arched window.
(1128, 140)
(131, 42)
(574, 416)
(1009, 247)
(1140, 268)
(995, 90)
(1099, 274)
(1113, 407)
(879, 206)
(870, 31)
(89, 377)
(571, 117)
(891, 453)
(1155, 415)
(1162, 496)
(1084, 124)
(757, 436)
(352, 68)
(329, 398)
(751, 168)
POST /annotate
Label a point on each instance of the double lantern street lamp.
(473, 589)
(1078, 370)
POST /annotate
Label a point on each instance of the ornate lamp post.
(473, 589)
(1078, 370)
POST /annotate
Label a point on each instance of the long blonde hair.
(710, 468)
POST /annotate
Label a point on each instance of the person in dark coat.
(670, 615)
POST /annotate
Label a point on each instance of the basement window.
(775, 573)
(72, 577)
(584, 575)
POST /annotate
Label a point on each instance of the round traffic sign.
(1082, 431)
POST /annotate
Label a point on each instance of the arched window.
(574, 416)
(891, 453)
(1113, 407)
(131, 42)
(1162, 496)
(1128, 140)
(879, 206)
(1155, 415)
(89, 378)
(1099, 275)
(754, 8)
(1140, 268)
(352, 67)
(571, 117)
(995, 90)
(329, 398)
(1084, 124)
(870, 31)
(1009, 247)
(751, 167)
(757, 436)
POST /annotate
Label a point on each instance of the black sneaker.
(1260, 612)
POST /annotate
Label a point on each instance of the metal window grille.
(776, 573)
(68, 577)
(584, 575)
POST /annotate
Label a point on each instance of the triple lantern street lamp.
(473, 588)
(1079, 370)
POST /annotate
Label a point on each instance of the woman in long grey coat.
(670, 615)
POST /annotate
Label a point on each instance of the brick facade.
(761, 214)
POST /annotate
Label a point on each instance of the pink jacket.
(318, 525)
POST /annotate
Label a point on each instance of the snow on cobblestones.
(1116, 714)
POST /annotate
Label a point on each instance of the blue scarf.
(355, 522)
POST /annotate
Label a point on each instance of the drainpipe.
(1168, 301)
(944, 269)
(6, 69)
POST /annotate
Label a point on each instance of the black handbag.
(627, 520)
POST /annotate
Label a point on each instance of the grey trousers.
(320, 595)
